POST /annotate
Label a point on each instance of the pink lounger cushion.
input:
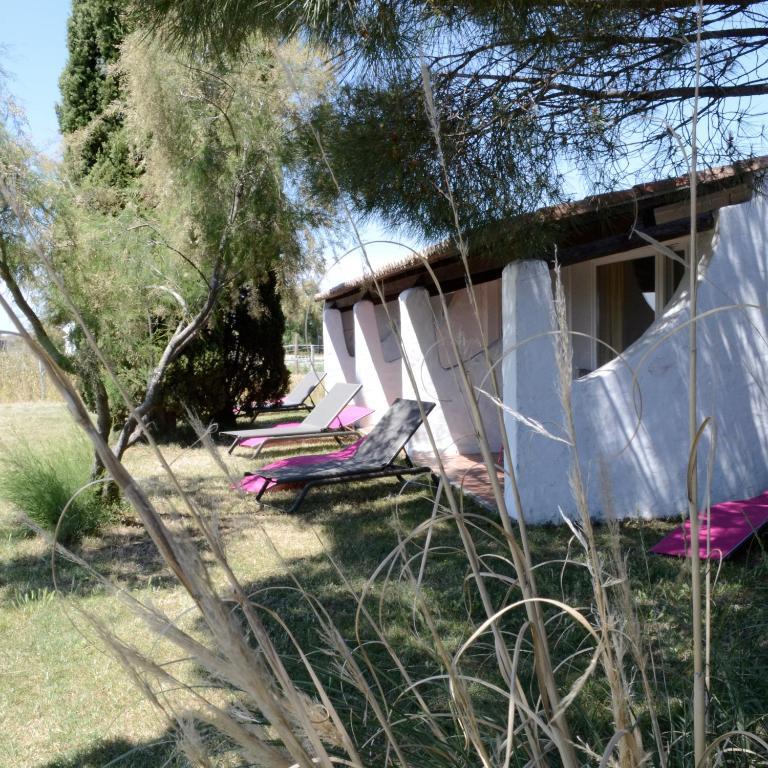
(255, 442)
(254, 483)
(732, 523)
(349, 416)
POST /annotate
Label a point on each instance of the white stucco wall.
(338, 364)
(642, 472)
(464, 321)
(437, 380)
(377, 365)
(579, 284)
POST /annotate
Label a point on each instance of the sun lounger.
(259, 484)
(317, 423)
(295, 400)
(350, 416)
(731, 523)
(375, 456)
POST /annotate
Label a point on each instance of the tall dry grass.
(511, 691)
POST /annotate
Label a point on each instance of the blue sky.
(33, 49)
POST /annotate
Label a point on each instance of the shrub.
(238, 358)
(40, 481)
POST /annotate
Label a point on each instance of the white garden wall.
(633, 446)
(339, 364)
(425, 340)
(377, 365)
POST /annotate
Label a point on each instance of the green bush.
(40, 480)
(236, 360)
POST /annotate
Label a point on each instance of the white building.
(631, 411)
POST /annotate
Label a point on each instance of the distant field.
(21, 378)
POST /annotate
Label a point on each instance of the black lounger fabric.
(392, 432)
(378, 450)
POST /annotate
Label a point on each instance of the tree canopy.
(205, 219)
(524, 90)
(204, 225)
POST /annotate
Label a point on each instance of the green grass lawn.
(65, 702)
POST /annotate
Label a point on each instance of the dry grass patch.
(20, 375)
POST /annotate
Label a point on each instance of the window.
(630, 295)
(616, 299)
(672, 275)
(626, 304)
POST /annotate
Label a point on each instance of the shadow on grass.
(123, 553)
(121, 753)
(356, 524)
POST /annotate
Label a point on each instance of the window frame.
(680, 246)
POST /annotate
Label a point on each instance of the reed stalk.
(699, 692)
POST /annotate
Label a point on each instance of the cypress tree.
(238, 358)
(239, 354)
(90, 105)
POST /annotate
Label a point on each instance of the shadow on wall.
(378, 365)
(428, 348)
(339, 360)
(372, 358)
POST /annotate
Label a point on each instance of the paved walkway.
(467, 472)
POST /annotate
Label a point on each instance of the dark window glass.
(626, 303)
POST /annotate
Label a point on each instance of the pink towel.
(254, 483)
(349, 416)
(732, 523)
(255, 442)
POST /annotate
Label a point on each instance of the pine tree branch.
(554, 89)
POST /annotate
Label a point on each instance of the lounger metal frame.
(393, 470)
(334, 433)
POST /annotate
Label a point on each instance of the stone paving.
(468, 472)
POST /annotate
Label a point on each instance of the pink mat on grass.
(254, 483)
(349, 416)
(732, 523)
